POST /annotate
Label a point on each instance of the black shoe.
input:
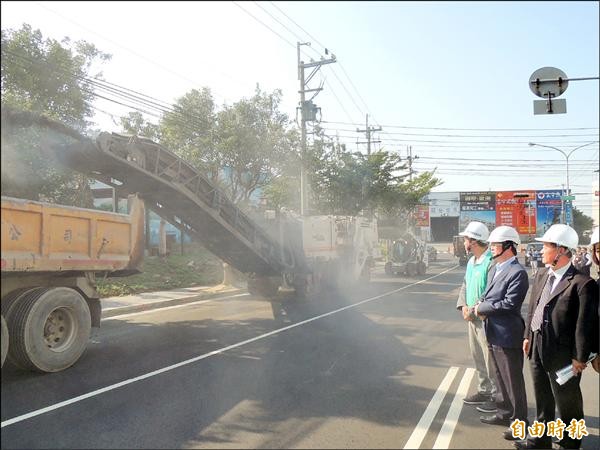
(487, 407)
(477, 399)
(495, 420)
(508, 435)
(530, 445)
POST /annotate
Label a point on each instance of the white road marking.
(422, 427)
(148, 311)
(112, 387)
(445, 435)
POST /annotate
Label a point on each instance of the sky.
(448, 79)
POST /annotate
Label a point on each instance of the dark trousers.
(550, 395)
(508, 364)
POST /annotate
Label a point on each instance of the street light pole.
(567, 156)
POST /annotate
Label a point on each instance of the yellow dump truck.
(50, 257)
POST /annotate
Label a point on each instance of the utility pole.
(308, 113)
(410, 159)
(368, 130)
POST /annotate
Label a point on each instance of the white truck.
(337, 250)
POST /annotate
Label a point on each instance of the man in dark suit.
(561, 329)
(504, 326)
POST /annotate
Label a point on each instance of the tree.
(581, 223)
(255, 142)
(189, 131)
(134, 123)
(52, 78)
(354, 183)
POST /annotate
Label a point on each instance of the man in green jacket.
(474, 284)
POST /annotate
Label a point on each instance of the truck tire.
(411, 269)
(4, 342)
(49, 329)
(262, 286)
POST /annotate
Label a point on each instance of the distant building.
(103, 199)
(530, 212)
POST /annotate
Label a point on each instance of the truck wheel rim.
(60, 329)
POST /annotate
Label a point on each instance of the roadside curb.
(149, 305)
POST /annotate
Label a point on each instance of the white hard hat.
(595, 236)
(476, 230)
(561, 235)
(504, 233)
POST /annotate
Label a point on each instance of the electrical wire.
(467, 129)
(474, 135)
(167, 69)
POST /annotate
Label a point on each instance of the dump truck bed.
(42, 237)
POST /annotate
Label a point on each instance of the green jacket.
(475, 281)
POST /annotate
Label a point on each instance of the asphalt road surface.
(383, 366)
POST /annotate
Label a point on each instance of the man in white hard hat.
(561, 328)
(595, 251)
(501, 309)
(475, 238)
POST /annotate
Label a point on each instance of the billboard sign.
(549, 209)
(478, 206)
(422, 215)
(517, 209)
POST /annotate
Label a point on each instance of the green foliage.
(189, 131)
(48, 77)
(134, 123)
(254, 142)
(581, 223)
(282, 192)
(241, 147)
(354, 183)
(196, 267)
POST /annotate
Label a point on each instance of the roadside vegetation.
(196, 267)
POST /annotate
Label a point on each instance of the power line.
(126, 97)
(490, 160)
(120, 93)
(264, 24)
(347, 92)
(140, 55)
(336, 97)
(322, 46)
(468, 142)
(464, 148)
(474, 135)
(465, 129)
(292, 20)
(300, 38)
(492, 169)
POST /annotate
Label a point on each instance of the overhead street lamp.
(567, 156)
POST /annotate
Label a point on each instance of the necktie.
(538, 315)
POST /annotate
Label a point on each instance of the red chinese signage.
(516, 209)
(422, 215)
